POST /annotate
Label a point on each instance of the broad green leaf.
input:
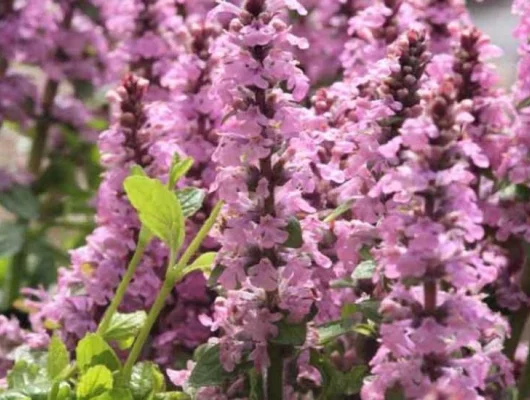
(115, 394)
(12, 236)
(364, 270)
(137, 170)
(158, 209)
(205, 263)
(191, 200)
(93, 350)
(94, 382)
(178, 170)
(208, 371)
(20, 201)
(290, 334)
(58, 357)
(146, 380)
(125, 326)
(295, 239)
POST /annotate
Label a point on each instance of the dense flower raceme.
(518, 159)
(431, 247)
(265, 282)
(145, 135)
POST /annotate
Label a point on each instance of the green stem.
(275, 373)
(13, 280)
(143, 240)
(42, 127)
(519, 319)
(173, 276)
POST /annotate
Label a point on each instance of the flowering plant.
(300, 200)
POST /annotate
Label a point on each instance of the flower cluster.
(372, 179)
(431, 248)
(145, 136)
(267, 281)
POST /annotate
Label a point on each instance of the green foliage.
(12, 237)
(146, 381)
(20, 201)
(335, 382)
(208, 371)
(290, 334)
(178, 170)
(204, 263)
(92, 350)
(94, 382)
(191, 200)
(123, 328)
(295, 239)
(365, 270)
(58, 357)
(158, 208)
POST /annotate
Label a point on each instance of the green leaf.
(191, 200)
(58, 357)
(290, 334)
(29, 379)
(158, 209)
(524, 103)
(208, 371)
(178, 170)
(115, 394)
(12, 236)
(146, 380)
(93, 350)
(368, 308)
(205, 263)
(13, 395)
(60, 391)
(125, 326)
(365, 270)
(94, 382)
(20, 201)
(137, 170)
(353, 379)
(217, 271)
(332, 330)
(368, 329)
(295, 239)
(172, 396)
(336, 383)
